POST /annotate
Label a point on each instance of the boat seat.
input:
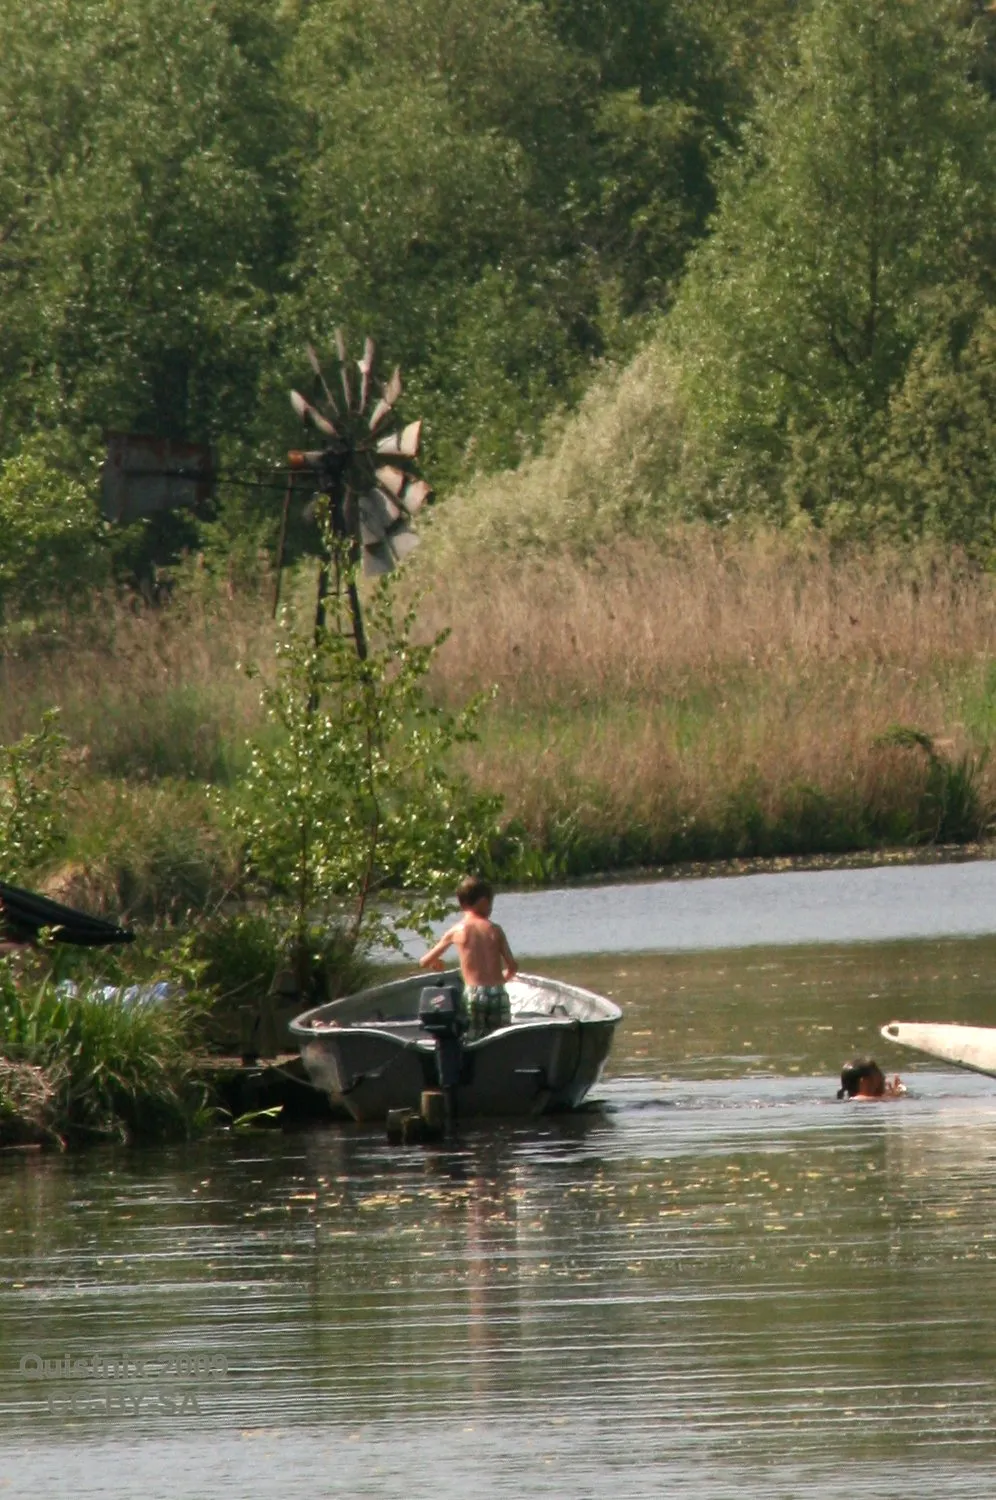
(400, 1026)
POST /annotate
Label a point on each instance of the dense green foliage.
(496, 189)
(33, 785)
(832, 337)
(52, 538)
(828, 358)
(501, 194)
(138, 196)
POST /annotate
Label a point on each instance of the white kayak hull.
(971, 1047)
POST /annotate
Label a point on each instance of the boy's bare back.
(484, 952)
(485, 957)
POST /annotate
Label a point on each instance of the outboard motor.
(441, 1013)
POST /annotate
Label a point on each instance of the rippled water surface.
(717, 1281)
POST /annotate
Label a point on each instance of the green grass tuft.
(110, 1069)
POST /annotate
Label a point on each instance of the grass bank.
(700, 697)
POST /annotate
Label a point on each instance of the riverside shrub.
(52, 547)
(111, 1069)
(33, 786)
(353, 800)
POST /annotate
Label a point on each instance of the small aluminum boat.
(370, 1052)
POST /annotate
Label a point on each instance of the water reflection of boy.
(862, 1078)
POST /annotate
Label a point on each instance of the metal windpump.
(366, 469)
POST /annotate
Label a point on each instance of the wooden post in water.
(434, 1112)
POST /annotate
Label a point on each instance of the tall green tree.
(141, 195)
(502, 193)
(673, 81)
(868, 182)
(433, 213)
(935, 471)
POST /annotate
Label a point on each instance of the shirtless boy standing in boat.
(486, 960)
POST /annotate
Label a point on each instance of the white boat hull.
(971, 1047)
(370, 1054)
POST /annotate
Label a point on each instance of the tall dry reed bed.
(715, 696)
(702, 696)
(157, 708)
(644, 620)
(145, 692)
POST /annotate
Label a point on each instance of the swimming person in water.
(862, 1078)
(486, 960)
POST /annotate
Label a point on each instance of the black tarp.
(23, 914)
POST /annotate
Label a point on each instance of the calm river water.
(717, 1281)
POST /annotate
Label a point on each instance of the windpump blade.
(378, 513)
(365, 366)
(414, 496)
(320, 376)
(393, 480)
(392, 393)
(340, 347)
(403, 444)
(309, 413)
(402, 541)
(377, 559)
